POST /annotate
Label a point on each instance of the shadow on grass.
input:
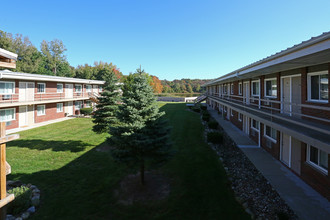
(38, 144)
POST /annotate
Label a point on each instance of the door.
(23, 116)
(296, 95)
(286, 149)
(30, 91)
(69, 108)
(246, 126)
(246, 93)
(68, 90)
(30, 115)
(95, 89)
(295, 155)
(22, 91)
(286, 95)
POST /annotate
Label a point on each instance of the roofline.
(6, 74)
(314, 40)
(8, 54)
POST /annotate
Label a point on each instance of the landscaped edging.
(35, 200)
(251, 188)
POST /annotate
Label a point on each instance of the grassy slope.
(77, 182)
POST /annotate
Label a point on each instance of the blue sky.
(171, 39)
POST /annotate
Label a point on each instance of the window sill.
(41, 115)
(270, 138)
(255, 129)
(317, 101)
(317, 167)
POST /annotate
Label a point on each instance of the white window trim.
(14, 114)
(38, 111)
(254, 127)
(44, 89)
(239, 114)
(321, 169)
(91, 88)
(240, 88)
(62, 87)
(57, 107)
(270, 96)
(309, 86)
(270, 138)
(75, 90)
(13, 87)
(231, 112)
(258, 81)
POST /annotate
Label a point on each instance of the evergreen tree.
(107, 106)
(141, 134)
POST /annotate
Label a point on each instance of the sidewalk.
(16, 130)
(304, 200)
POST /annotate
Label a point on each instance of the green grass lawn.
(77, 182)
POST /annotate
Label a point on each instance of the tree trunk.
(142, 173)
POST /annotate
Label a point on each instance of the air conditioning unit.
(268, 143)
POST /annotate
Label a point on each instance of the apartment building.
(26, 99)
(282, 102)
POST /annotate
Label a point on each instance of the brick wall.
(51, 113)
(235, 121)
(268, 145)
(312, 176)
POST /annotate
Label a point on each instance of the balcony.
(285, 117)
(10, 100)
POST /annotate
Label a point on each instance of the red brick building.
(26, 99)
(282, 102)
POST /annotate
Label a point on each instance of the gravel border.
(251, 188)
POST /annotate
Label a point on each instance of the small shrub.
(213, 125)
(22, 200)
(205, 113)
(215, 137)
(206, 117)
(196, 110)
(203, 107)
(86, 111)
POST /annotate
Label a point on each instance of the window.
(318, 158)
(7, 88)
(59, 88)
(41, 110)
(88, 88)
(41, 87)
(88, 104)
(78, 105)
(232, 88)
(255, 88)
(225, 89)
(271, 87)
(7, 115)
(318, 86)
(78, 88)
(240, 117)
(100, 89)
(255, 124)
(59, 107)
(240, 88)
(271, 133)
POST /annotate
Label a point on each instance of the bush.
(206, 117)
(203, 107)
(206, 113)
(215, 137)
(213, 125)
(196, 109)
(86, 111)
(22, 200)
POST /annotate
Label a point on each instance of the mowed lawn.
(78, 182)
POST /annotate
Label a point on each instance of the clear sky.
(171, 39)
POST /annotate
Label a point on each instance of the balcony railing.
(276, 109)
(15, 98)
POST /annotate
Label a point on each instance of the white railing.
(274, 107)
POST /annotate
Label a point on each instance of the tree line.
(50, 59)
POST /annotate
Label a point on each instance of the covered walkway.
(304, 200)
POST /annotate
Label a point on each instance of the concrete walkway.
(16, 130)
(304, 200)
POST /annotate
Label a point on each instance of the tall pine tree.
(107, 106)
(141, 135)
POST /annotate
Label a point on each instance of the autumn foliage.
(156, 84)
